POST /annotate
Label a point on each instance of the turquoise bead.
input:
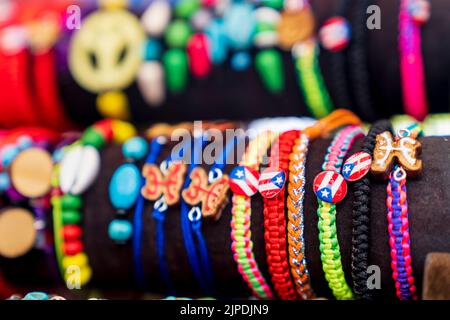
(8, 155)
(124, 186)
(152, 50)
(135, 148)
(24, 142)
(218, 41)
(36, 296)
(4, 181)
(241, 61)
(120, 230)
(240, 25)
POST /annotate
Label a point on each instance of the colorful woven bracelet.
(330, 188)
(296, 193)
(413, 13)
(397, 159)
(310, 78)
(271, 187)
(246, 176)
(355, 169)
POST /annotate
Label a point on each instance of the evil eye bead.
(420, 11)
(335, 34)
(136, 148)
(120, 230)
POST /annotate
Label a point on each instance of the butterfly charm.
(212, 196)
(158, 184)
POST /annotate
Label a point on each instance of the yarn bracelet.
(330, 188)
(78, 168)
(334, 36)
(398, 159)
(271, 187)
(191, 223)
(152, 157)
(244, 184)
(359, 68)
(125, 187)
(310, 78)
(413, 13)
(355, 170)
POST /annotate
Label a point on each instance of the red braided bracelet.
(274, 216)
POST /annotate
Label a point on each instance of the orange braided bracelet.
(274, 217)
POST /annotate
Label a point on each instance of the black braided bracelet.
(361, 218)
(359, 73)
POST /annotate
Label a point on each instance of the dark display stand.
(429, 218)
(241, 95)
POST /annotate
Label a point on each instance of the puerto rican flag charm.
(271, 182)
(244, 181)
(357, 166)
(330, 186)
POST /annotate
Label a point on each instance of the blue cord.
(155, 149)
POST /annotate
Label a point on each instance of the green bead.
(276, 4)
(178, 34)
(186, 8)
(176, 69)
(70, 202)
(264, 26)
(270, 68)
(71, 217)
(93, 138)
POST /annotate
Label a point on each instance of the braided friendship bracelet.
(334, 191)
(310, 78)
(411, 62)
(275, 222)
(361, 212)
(242, 245)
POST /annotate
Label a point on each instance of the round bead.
(125, 186)
(73, 247)
(71, 232)
(276, 4)
(270, 68)
(5, 182)
(24, 142)
(356, 166)
(113, 104)
(240, 24)
(176, 69)
(241, 61)
(271, 182)
(70, 217)
(186, 8)
(330, 186)
(177, 34)
(70, 202)
(36, 296)
(93, 138)
(120, 230)
(8, 154)
(335, 34)
(104, 127)
(244, 181)
(201, 19)
(152, 50)
(122, 131)
(80, 260)
(136, 148)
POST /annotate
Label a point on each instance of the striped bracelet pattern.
(329, 245)
(399, 238)
(295, 227)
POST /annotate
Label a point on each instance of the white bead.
(156, 18)
(79, 169)
(150, 80)
(269, 15)
(201, 19)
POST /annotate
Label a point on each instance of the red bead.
(105, 128)
(71, 232)
(199, 61)
(72, 248)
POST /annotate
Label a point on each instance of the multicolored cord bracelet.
(244, 184)
(398, 159)
(330, 188)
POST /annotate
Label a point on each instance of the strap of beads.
(329, 246)
(242, 245)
